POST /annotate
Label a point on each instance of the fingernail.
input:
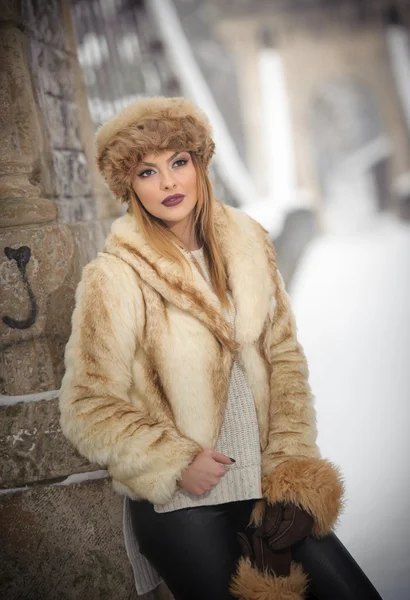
(232, 459)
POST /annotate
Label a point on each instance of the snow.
(37, 397)
(82, 477)
(70, 480)
(351, 298)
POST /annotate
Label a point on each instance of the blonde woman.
(185, 379)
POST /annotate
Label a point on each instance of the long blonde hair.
(166, 243)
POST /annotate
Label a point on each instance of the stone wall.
(50, 224)
(60, 522)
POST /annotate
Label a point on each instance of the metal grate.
(120, 55)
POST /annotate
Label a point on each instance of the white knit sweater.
(239, 439)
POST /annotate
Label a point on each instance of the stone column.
(32, 242)
(60, 522)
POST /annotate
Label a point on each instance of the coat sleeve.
(145, 456)
(292, 469)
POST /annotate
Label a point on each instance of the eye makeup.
(183, 160)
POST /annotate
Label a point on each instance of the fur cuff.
(250, 584)
(312, 484)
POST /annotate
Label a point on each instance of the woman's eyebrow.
(148, 164)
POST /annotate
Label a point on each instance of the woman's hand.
(204, 472)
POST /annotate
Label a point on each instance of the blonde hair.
(166, 243)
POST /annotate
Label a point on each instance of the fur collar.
(243, 245)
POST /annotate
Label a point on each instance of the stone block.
(33, 447)
(52, 69)
(16, 185)
(64, 543)
(62, 123)
(36, 276)
(44, 19)
(24, 211)
(70, 175)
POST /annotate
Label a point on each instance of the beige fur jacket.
(148, 367)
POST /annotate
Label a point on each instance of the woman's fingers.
(205, 471)
(221, 471)
(221, 458)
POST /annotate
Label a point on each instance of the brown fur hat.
(150, 125)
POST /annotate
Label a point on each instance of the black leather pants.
(195, 551)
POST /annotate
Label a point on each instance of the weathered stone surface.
(89, 239)
(52, 70)
(47, 263)
(19, 105)
(44, 19)
(9, 132)
(36, 276)
(27, 367)
(62, 123)
(71, 176)
(32, 446)
(15, 167)
(17, 186)
(64, 543)
(74, 210)
(24, 211)
(10, 10)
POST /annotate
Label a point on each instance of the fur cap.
(150, 125)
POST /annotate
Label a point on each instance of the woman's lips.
(173, 200)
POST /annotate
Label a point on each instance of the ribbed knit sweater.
(239, 436)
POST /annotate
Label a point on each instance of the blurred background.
(310, 105)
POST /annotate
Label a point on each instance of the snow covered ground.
(351, 297)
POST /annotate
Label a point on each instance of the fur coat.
(148, 368)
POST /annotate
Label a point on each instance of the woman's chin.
(175, 215)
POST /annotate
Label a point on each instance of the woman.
(184, 377)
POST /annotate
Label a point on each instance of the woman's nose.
(167, 182)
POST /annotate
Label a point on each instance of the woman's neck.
(185, 232)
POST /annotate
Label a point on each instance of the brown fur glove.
(268, 546)
(264, 559)
(284, 525)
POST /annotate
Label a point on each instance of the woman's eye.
(145, 173)
(180, 162)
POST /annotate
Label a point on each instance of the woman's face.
(166, 184)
